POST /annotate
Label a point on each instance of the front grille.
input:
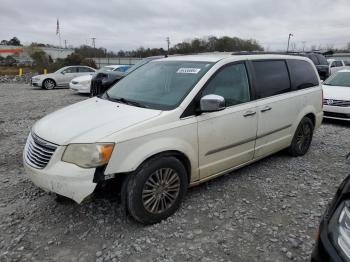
(38, 151)
(332, 102)
(337, 115)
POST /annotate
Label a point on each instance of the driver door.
(227, 138)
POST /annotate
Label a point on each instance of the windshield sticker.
(188, 70)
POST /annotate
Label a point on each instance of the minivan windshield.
(159, 84)
(339, 79)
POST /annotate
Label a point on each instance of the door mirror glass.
(212, 103)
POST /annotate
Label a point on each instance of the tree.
(14, 41)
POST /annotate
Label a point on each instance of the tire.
(156, 190)
(302, 138)
(49, 84)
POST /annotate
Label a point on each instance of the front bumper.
(324, 250)
(35, 82)
(336, 112)
(62, 178)
(80, 88)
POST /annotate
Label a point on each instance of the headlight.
(340, 229)
(86, 82)
(88, 155)
(36, 78)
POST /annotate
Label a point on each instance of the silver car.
(61, 77)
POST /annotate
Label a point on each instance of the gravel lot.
(268, 211)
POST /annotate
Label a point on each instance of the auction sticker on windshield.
(188, 70)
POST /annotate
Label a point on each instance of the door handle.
(249, 113)
(265, 109)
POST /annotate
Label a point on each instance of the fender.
(127, 156)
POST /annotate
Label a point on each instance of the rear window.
(302, 74)
(271, 78)
(321, 59)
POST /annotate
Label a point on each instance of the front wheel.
(302, 138)
(49, 84)
(156, 190)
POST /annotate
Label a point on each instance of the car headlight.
(36, 78)
(88, 155)
(86, 82)
(340, 229)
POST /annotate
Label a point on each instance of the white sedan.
(336, 92)
(82, 84)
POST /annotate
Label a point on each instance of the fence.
(103, 61)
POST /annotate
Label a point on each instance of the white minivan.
(175, 123)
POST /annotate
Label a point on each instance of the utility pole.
(93, 41)
(65, 43)
(168, 43)
(290, 35)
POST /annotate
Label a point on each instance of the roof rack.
(272, 53)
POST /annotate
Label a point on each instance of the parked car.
(333, 240)
(104, 80)
(176, 122)
(336, 92)
(320, 62)
(61, 77)
(82, 84)
(337, 64)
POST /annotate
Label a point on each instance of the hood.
(82, 78)
(89, 121)
(336, 92)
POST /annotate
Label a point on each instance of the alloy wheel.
(161, 190)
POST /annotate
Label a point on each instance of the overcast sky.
(127, 25)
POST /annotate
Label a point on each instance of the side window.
(84, 69)
(70, 70)
(271, 78)
(231, 82)
(347, 63)
(338, 63)
(302, 74)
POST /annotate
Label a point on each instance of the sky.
(127, 25)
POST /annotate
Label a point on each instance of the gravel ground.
(268, 211)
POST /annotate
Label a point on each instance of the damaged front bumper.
(63, 178)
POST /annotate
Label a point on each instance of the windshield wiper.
(126, 101)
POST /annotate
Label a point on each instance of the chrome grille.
(38, 151)
(333, 102)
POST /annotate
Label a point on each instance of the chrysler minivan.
(174, 123)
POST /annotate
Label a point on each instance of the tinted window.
(85, 69)
(313, 59)
(321, 59)
(271, 78)
(302, 74)
(232, 83)
(70, 70)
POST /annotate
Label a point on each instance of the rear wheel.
(156, 190)
(49, 84)
(302, 138)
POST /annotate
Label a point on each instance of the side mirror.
(212, 103)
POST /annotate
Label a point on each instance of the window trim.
(191, 109)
